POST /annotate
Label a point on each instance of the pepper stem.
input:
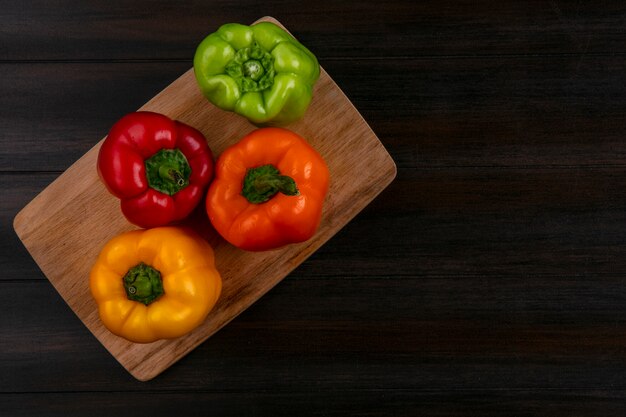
(252, 68)
(262, 183)
(143, 283)
(171, 173)
(168, 171)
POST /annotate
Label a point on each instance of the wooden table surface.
(488, 279)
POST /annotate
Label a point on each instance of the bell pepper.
(260, 72)
(155, 284)
(268, 190)
(157, 167)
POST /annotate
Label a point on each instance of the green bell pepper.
(260, 72)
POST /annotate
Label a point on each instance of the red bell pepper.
(159, 168)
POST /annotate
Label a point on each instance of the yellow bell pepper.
(155, 284)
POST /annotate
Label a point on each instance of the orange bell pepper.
(268, 190)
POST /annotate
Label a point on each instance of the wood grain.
(379, 402)
(161, 29)
(330, 335)
(462, 222)
(435, 112)
(66, 225)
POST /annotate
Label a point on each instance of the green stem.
(262, 183)
(143, 284)
(168, 171)
(252, 68)
(171, 173)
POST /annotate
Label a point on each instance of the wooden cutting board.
(67, 224)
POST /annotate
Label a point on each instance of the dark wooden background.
(488, 279)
